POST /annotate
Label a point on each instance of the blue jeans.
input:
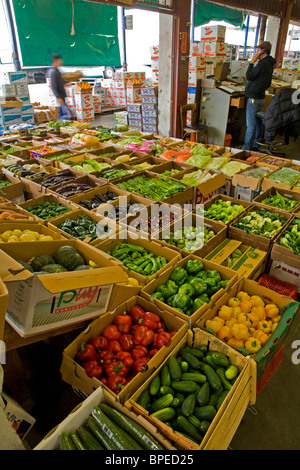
(254, 124)
(64, 113)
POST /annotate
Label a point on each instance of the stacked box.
(213, 33)
(99, 94)
(10, 112)
(135, 116)
(149, 108)
(7, 90)
(154, 54)
(14, 85)
(84, 103)
(121, 118)
(125, 86)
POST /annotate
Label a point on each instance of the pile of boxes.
(15, 106)
(99, 96)
(144, 116)
(84, 103)
(121, 118)
(154, 54)
(125, 88)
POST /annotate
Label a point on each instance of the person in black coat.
(283, 114)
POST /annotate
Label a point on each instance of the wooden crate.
(228, 417)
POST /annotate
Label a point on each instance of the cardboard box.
(10, 119)
(133, 93)
(7, 90)
(248, 187)
(149, 91)
(85, 114)
(222, 197)
(34, 225)
(215, 49)
(3, 307)
(149, 289)
(154, 52)
(13, 192)
(292, 195)
(196, 52)
(28, 118)
(205, 191)
(20, 420)
(274, 162)
(80, 414)
(213, 33)
(74, 374)
(259, 241)
(250, 265)
(150, 128)
(71, 297)
(151, 246)
(287, 307)
(22, 89)
(269, 183)
(12, 78)
(149, 100)
(230, 414)
(48, 198)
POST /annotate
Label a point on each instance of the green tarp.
(206, 12)
(83, 33)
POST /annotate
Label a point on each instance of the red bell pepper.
(162, 325)
(126, 358)
(103, 380)
(139, 351)
(126, 342)
(136, 313)
(105, 357)
(173, 333)
(150, 320)
(123, 323)
(93, 369)
(163, 339)
(140, 365)
(116, 368)
(143, 336)
(153, 352)
(133, 329)
(116, 383)
(86, 353)
(99, 342)
(114, 346)
(111, 332)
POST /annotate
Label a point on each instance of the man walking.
(58, 88)
(259, 79)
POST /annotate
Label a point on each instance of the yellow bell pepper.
(233, 302)
(215, 324)
(276, 319)
(240, 331)
(260, 312)
(230, 322)
(236, 311)
(253, 345)
(271, 310)
(242, 295)
(243, 318)
(254, 318)
(225, 312)
(245, 306)
(225, 333)
(235, 343)
(261, 336)
(257, 301)
(264, 326)
(251, 331)
(273, 327)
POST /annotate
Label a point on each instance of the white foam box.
(215, 49)
(7, 90)
(85, 114)
(26, 99)
(196, 50)
(22, 89)
(213, 33)
(12, 78)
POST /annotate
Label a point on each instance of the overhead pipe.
(246, 36)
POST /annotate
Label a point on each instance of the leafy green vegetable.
(288, 176)
(259, 172)
(233, 167)
(199, 160)
(261, 222)
(291, 237)
(201, 150)
(154, 188)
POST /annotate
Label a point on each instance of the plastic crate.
(270, 371)
(282, 287)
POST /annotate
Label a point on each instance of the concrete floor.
(272, 424)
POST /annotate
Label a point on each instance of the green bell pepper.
(179, 276)
(223, 284)
(198, 303)
(205, 298)
(214, 274)
(199, 286)
(212, 285)
(202, 275)
(164, 291)
(170, 301)
(158, 296)
(172, 287)
(193, 266)
(181, 300)
(186, 289)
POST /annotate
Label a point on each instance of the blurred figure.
(58, 88)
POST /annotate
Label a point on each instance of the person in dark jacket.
(259, 79)
(58, 88)
(283, 114)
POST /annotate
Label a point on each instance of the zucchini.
(184, 386)
(77, 442)
(231, 372)
(88, 439)
(213, 379)
(220, 359)
(225, 382)
(165, 390)
(66, 442)
(144, 399)
(165, 376)
(203, 395)
(191, 360)
(154, 386)
(203, 428)
(119, 437)
(162, 402)
(164, 415)
(188, 405)
(141, 436)
(194, 377)
(194, 421)
(100, 435)
(186, 427)
(221, 398)
(174, 368)
(206, 413)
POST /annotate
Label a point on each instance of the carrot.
(4, 215)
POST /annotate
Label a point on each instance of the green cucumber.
(202, 348)
(184, 386)
(165, 390)
(174, 368)
(77, 442)
(220, 359)
(194, 421)
(191, 360)
(231, 372)
(186, 427)
(154, 386)
(203, 428)
(214, 397)
(213, 379)
(100, 435)
(206, 413)
(175, 403)
(194, 377)
(225, 382)
(221, 399)
(188, 405)
(142, 437)
(210, 362)
(144, 399)
(88, 439)
(162, 402)
(195, 352)
(165, 376)
(203, 395)
(184, 366)
(181, 397)
(188, 437)
(66, 442)
(164, 415)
